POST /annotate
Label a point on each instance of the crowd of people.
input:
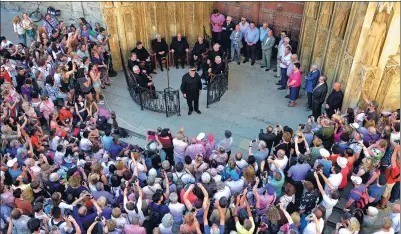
(65, 170)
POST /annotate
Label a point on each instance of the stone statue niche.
(356, 32)
(340, 22)
(375, 40)
(312, 9)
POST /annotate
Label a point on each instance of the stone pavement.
(251, 102)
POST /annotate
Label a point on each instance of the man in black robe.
(227, 29)
(144, 57)
(318, 96)
(179, 47)
(144, 81)
(211, 55)
(335, 99)
(201, 47)
(191, 87)
(133, 61)
(217, 68)
(160, 48)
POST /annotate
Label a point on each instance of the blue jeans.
(284, 77)
(31, 34)
(235, 50)
(22, 38)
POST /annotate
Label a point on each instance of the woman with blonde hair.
(97, 169)
(28, 24)
(364, 169)
(353, 227)
(190, 224)
(19, 29)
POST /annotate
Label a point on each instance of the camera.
(99, 218)
(302, 126)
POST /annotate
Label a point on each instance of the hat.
(354, 125)
(54, 177)
(191, 68)
(10, 163)
(324, 153)
(153, 146)
(342, 162)
(200, 136)
(167, 220)
(270, 189)
(373, 211)
(205, 177)
(166, 165)
(356, 179)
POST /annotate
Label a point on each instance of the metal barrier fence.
(166, 101)
(217, 86)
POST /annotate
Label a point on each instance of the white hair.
(314, 66)
(135, 68)
(262, 144)
(229, 17)
(217, 58)
(287, 39)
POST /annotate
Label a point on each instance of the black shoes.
(276, 76)
(245, 61)
(205, 88)
(238, 63)
(275, 70)
(267, 69)
(189, 112)
(198, 111)
(198, 69)
(262, 66)
(280, 88)
(183, 66)
(252, 63)
(287, 96)
(278, 83)
(176, 67)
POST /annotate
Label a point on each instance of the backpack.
(58, 224)
(179, 184)
(148, 159)
(155, 216)
(363, 197)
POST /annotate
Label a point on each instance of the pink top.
(47, 108)
(216, 20)
(297, 77)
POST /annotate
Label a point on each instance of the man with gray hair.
(267, 47)
(102, 193)
(226, 143)
(135, 227)
(217, 68)
(177, 210)
(227, 29)
(251, 38)
(318, 96)
(144, 81)
(280, 49)
(311, 82)
(262, 152)
(160, 48)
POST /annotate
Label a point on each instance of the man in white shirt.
(334, 179)
(5, 44)
(386, 227)
(236, 186)
(240, 163)
(395, 134)
(179, 148)
(85, 144)
(312, 227)
(176, 209)
(222, 191)
(285, 60)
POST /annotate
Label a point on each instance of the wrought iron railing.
(207, 36)
(166, 101)
(217, 86)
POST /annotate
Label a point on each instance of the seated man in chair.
(144, 57)
(179, 47)
(211, 55)
(217, 68)
(160, 48)
(200, 49)
(144, 81)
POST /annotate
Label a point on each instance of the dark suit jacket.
(142, 80)
(319, 93)
(269, 138)
(335, 100)
(218, 68)
(179, 46)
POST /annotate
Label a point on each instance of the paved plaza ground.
(251, 102)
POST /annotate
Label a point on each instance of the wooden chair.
(153, 55)
(179, 60)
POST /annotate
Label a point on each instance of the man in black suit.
(144, 81)
(160, 48)
(179, 47)
(133, 61)
(227, 29)
(201, 47)
(318, 96)
(191, 87)
(335, 99)
(144, 57)
(211, 55)
(217, 67)
(269, 137)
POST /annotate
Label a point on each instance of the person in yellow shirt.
(249, 223)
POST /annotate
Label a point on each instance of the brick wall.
(70, 11)
(280, 15)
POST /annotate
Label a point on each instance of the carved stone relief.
(356, 32)
(341, 20)
(388, 95)
(313, 7)
(325, 14)
(345, 70)
(375, 40)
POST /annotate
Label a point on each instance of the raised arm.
(236, 209)
(98, 209)
(256, 194)
(205, 195)
(318, 183)
(327, 181)
(186, 201)
(167, 193)
(286, 214)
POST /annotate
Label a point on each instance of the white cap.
(360, 117)
(152, 172)
(324, 153)
(205, 178)
(153, 146)
(200, 136)
(10, 163)
(342, 162)
(356, 179)
(373, 211)
(354, 125)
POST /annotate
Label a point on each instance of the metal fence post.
(165, 101)
(179, 104)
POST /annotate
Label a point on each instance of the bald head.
(193, 140)
(396, 208)
(337, 86)
(179, 36)
(294, 57)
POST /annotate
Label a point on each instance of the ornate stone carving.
(312, 9)
(375, 40)
(340, 21)
(356, 32)
(388, 95)
(325, 14)
(345, 69)
(320, 43)
(368, 75)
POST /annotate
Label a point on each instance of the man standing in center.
(267, 46)
(251, 38)
(191, 87)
